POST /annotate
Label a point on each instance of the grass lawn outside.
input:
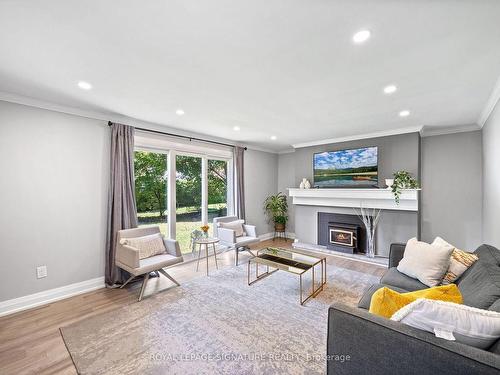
(184, 226)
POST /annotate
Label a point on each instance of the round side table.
(206, 242)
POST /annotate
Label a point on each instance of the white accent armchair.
(127, 257)
(228, 237)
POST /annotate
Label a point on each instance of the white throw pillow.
(425, 262)
(460, 261)
(236, 225)
(451, 321)
(147, 245)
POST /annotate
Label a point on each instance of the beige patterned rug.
(216, 325)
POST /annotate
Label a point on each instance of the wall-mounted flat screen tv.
(346, 168)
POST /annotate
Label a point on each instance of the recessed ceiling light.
(273, 137)
(236, 128)
(390, 89)
(361, 36)
(404, 113)
(84, 85)
(179, 112)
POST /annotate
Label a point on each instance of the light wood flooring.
(30, 342)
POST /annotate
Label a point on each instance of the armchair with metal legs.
(127, 257)
(228, 237)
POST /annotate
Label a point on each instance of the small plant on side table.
(403, 180)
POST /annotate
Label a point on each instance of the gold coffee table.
(294, 261)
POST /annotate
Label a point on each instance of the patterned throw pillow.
(460, 261)
(147, 245)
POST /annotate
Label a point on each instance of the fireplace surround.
(341, 232)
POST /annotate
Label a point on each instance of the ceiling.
(286, 68)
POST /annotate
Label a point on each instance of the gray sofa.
(376, 345)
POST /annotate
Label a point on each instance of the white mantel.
(356, 198)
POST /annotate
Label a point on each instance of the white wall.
(261, 180)
(451, 189)
(491, 179)
(53, 193)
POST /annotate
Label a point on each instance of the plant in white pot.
(276, 208)
(403, 180)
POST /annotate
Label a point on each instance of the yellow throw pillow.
(385, 302)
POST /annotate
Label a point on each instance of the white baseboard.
(270, 235)
(266, 236)
(47, 296)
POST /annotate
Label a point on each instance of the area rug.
(216, 325)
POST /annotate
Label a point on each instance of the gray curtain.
(122, 211)
(239, 169)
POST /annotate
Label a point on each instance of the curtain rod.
(182, 136)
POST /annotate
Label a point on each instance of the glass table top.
(286, 259)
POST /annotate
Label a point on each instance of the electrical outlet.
(41, 272)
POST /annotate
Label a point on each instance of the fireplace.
(341, 232)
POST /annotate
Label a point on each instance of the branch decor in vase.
(403, 180)
(370, 220)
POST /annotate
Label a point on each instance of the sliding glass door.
(188, 188)
(217, 189)
(151, 174)
(195, 188)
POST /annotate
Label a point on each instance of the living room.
(250, 187)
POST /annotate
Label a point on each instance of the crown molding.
(384, 133)
(430, 131)
(287, 151)
(42, 104)
(114, 117)
(490, 104)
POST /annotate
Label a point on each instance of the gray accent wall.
(394, 153)
(394, 226)
(261, 180)
(53, 193)
(491, 178)
(452, 189)
(287, 179)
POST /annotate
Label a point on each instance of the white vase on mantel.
(305, 184)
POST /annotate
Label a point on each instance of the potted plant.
(276, 208)
(402, 180)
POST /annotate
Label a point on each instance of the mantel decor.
(402, 180)
(356, 198)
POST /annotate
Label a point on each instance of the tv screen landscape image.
(346, 168)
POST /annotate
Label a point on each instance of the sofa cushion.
(495, 306)
(425, 262)
(395, 278)
(488, 254)
(480, 285)
(365, 300)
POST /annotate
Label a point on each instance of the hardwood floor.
(30, 342)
